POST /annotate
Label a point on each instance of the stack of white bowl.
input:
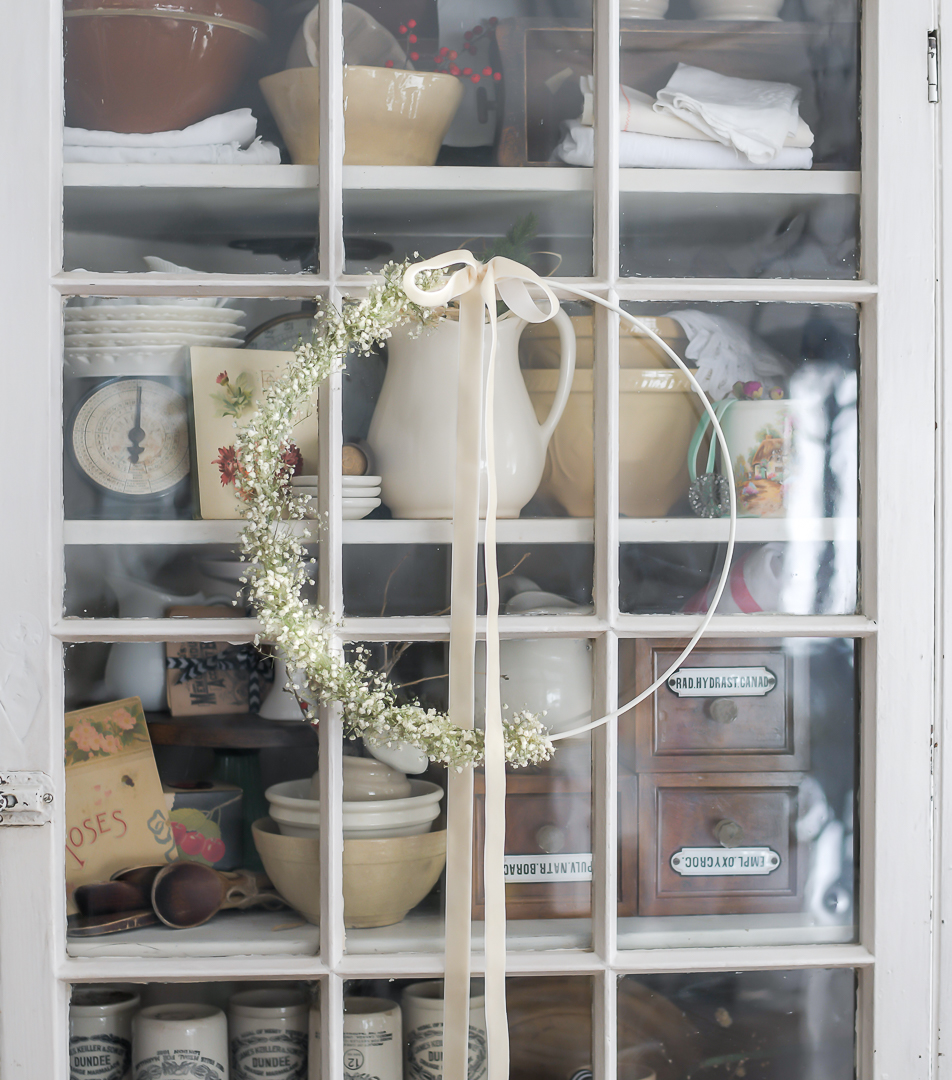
(359, 494)
(379, 803)
(145, 335)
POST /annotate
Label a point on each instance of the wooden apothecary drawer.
(549, 825)
(719, 844)
(732, 706)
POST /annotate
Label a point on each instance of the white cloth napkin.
(238, 126)
(258, 153)
(637, 151)
(754, 117)
(727, 353)
(636, 112)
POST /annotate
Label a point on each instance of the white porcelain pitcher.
(413, 430)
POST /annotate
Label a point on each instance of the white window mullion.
(607, 80)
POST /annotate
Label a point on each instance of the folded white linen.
(726, 352)
(637, 151)
(258, 153)
(636, 112)
(752, 116)
(238, 126)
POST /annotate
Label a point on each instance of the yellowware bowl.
(383, 879)
(391, 117)
(658, 413)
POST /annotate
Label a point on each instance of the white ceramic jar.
(268, 1034)
(100, 1033)
(422, 1005)
(373, 1038)
(188, 1041)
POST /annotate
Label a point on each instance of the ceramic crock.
(413, 430)
(422, 1005)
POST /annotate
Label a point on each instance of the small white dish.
(361, 481)
(304, 481)
(399, 755)
(361, 493)
(738, 10)
(642, 9)
(114, 311)
(367, 780)
(128, 360)
(355, 509)
(81, 327)
(106, 341)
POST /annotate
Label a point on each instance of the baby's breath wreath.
(277, 573)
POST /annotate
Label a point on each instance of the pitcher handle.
(566, 370)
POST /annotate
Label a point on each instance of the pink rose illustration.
(86, 737)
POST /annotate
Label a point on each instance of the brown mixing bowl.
(156, 65)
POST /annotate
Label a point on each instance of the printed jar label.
(182, 1064)
(270, 1054)
(533, 868)
(425, 1053)
(718, 681)
(724, 862)
(365, 1054)
(99, 1057)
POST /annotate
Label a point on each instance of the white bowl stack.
(379, 802)
(360, 494)
(145, 335)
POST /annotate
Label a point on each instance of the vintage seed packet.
(116, 813)
(227, 386)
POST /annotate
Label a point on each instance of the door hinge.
(26, 798)
(933, 65)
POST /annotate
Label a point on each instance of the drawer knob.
(729, 833)
(551, 839)
(723, 710)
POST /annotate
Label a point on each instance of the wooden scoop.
(188, 894)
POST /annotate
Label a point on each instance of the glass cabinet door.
(732, 877)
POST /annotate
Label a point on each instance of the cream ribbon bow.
(476, 287)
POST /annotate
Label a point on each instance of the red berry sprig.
(445, 60)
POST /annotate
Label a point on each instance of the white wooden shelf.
(205, 202)
(512, 531)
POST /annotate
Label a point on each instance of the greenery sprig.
(277, 575)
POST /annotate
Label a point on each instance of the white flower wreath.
(277, 574)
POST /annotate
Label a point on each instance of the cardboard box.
(227, 386)
(115, 811)
(213, 693)
(206, 823)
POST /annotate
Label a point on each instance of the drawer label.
(718, 681)
(724, 862)
(535, 868)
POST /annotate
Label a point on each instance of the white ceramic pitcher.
(413, 430)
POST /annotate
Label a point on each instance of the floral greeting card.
(116, 813)
(226, 387)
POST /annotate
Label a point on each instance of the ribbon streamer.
(476, 287)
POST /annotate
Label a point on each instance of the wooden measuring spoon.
(188, 894)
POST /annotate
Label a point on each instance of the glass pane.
(548, 808)
(550, 1028)
(745, 768)
(480, 96)
(784, 380)
(779, 1025)
(714, 183)
(171, 150)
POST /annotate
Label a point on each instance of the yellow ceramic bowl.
(391, 117)
(657, 416)
(383, 879)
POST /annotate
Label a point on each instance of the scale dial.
(130, 438)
